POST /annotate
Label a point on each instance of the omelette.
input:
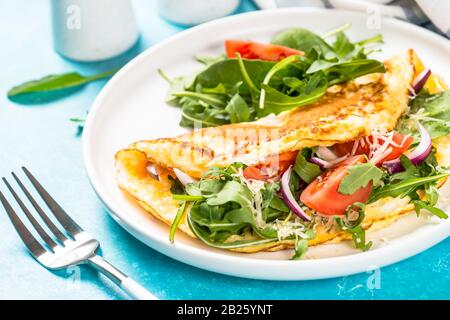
(348, 114)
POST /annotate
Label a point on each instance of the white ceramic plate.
(131, 107)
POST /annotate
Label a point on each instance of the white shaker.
(92, 30)
(192, 12)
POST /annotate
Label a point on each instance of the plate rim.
(198, 257)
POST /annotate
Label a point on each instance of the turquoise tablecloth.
(42, 138)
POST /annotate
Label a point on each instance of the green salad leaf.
(419, 205)
(241, 90)
(432, 110)
(359, 176)
(226, 212)
(354, 226)
(306, 170)
(422, 177)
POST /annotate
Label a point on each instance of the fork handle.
(131, 287)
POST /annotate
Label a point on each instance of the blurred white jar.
(192, 12)
(92, 30)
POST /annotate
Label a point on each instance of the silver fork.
(72, 247)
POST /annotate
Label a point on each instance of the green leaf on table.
(52, 87)
(359, 176)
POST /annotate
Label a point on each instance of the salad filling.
(288, 197)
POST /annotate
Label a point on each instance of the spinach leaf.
(354, 226)
(419, 205)
(304, 40)
(53, 87)
(228, 73)
(306, 170)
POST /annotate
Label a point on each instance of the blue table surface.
(42, 138)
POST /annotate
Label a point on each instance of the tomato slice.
(322, 194)
(253, 50)
(399, 146)
(274, 166)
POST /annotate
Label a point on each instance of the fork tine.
(61, 237)
(49, 241)
(66, 221)
(30, 241)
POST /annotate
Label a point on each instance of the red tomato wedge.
(273, 167)
(401, 144)
(253, 50)
(322, 194)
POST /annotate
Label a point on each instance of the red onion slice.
(327, 164)
(326, 154)
(420, 80)
(288, 197)
(321, 163)
(418, 155)
(183, 177)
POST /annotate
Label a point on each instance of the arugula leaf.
(301, 245)
(404, 187)
(433, 111)
(277, 102)
(359, 176)
(279, 205)
(176, 222)
(280, 65)
(342, 45)
(233, 191)
(359, 238)
(431, 193)
(53, 87)
(419, 205)
(354, 227)
(306, 170)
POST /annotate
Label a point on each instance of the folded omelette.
(346, 113)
